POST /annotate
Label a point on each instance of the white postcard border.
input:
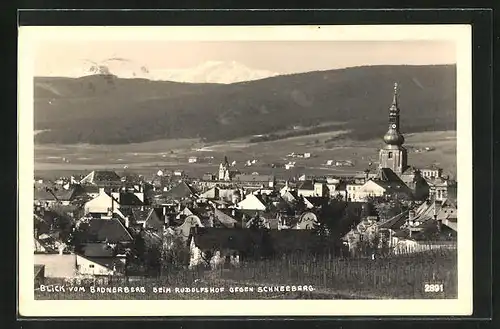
(28, 306)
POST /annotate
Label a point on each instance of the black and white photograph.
(264, 170)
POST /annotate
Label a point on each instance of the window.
(390, 155)
(91, 266)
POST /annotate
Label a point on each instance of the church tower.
(393, 155)
(224, 170)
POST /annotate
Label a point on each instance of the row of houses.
(116, 211)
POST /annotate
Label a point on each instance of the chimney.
(127, 222)
(101, 190)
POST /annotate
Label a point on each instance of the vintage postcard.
(246, 171)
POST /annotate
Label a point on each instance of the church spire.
(395, 97)
(393, 135)
(393, 155)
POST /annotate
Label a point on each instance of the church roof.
(394, 187)
(387, 175)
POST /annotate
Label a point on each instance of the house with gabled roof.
(40, 246)
(384, 187)
(100, 259)
(180, 191)
(228, 218)
(146, 218)
(247, 180)
(128, 199)
(102, 204)
(101, 230)
(44, 197)
(102, 178)
(310, 188)
(290, 196)
(252, 202)
(430, 235)
(447, 213)
(220, 193)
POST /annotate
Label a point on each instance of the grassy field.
(147, 158)
(397, 277)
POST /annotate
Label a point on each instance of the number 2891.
(433, 287)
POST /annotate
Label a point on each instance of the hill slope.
(109, 110)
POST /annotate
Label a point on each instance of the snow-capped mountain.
(214, 72)
(208, 72)
(119, 67)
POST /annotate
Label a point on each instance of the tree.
(390, 206)
(330, 221)
(257, 223)
(176, 255)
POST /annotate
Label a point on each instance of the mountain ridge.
(224, 72)
(110, 110)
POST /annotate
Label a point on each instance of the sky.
(283, 57)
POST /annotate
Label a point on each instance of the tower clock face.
(393, 126)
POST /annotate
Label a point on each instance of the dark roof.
(132, 178)
(276, 241)
(97, 250)
(293, 241)
(201, 212)
(139, 215)
(394, 187)
(207, 238)
(66, 195)
(226, 218)
(306, 185)
(318, 201)
(43, 194)
(111, 230)
(395, 222)
(47, 218)
(249, 213)
(430, 232)
(106, 176)
(90, 188)
(410, 170)
(129, 199)
(181, 190)
(387, 175)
